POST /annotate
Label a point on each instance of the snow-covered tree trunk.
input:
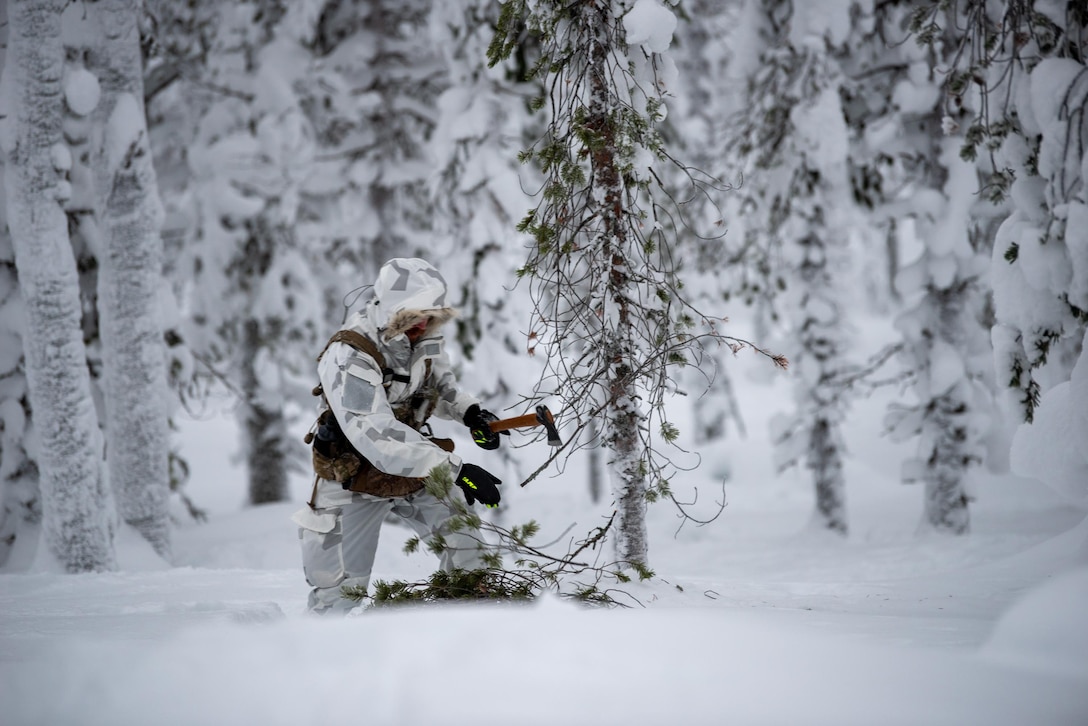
(817, 322)
(613, 287)
(593, 465)
(978, 52)
(814, 315)
(825, 460)
(945, 346)
(20, 500)
(792, 140)
(260, 283)
(263, 426)
(129, 218)
(77, 506)
(260, 360)
(815, 237)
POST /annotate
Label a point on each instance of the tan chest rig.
(334, 457)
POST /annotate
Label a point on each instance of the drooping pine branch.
(611, 316)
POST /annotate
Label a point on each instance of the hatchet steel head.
(544, 416)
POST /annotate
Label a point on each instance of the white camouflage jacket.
(407, 291)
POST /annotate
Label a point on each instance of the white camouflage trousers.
(339, 542)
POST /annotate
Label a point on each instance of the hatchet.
(542, 417)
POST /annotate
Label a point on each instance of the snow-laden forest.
(805, 284)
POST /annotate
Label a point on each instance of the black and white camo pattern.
(352, 379)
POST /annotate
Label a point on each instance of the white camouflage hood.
(409, 289)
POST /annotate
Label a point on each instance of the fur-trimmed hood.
(407, 291)
(404, 320)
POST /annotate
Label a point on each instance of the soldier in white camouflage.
(380, 402)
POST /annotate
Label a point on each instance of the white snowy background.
(753, 619)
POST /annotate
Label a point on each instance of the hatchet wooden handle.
(517, 422)
(542, 417)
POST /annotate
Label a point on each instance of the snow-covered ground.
(754, 619)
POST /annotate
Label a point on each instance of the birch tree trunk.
(76, 502)
(129, 217)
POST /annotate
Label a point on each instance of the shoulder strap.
(360, 342)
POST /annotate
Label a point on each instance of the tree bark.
(593, 463)
(946, 503)
(621, 414)
(264, 429)
(945, 445)
(825, 462)
(822, 352)
(130, 218)
(76, 501)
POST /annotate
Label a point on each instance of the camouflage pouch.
(335, 459)
(341, 468)
(370, 480)
(333, 456)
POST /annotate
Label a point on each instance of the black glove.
(479, 484)
(477, 420)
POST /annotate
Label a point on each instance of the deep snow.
(754, 619)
